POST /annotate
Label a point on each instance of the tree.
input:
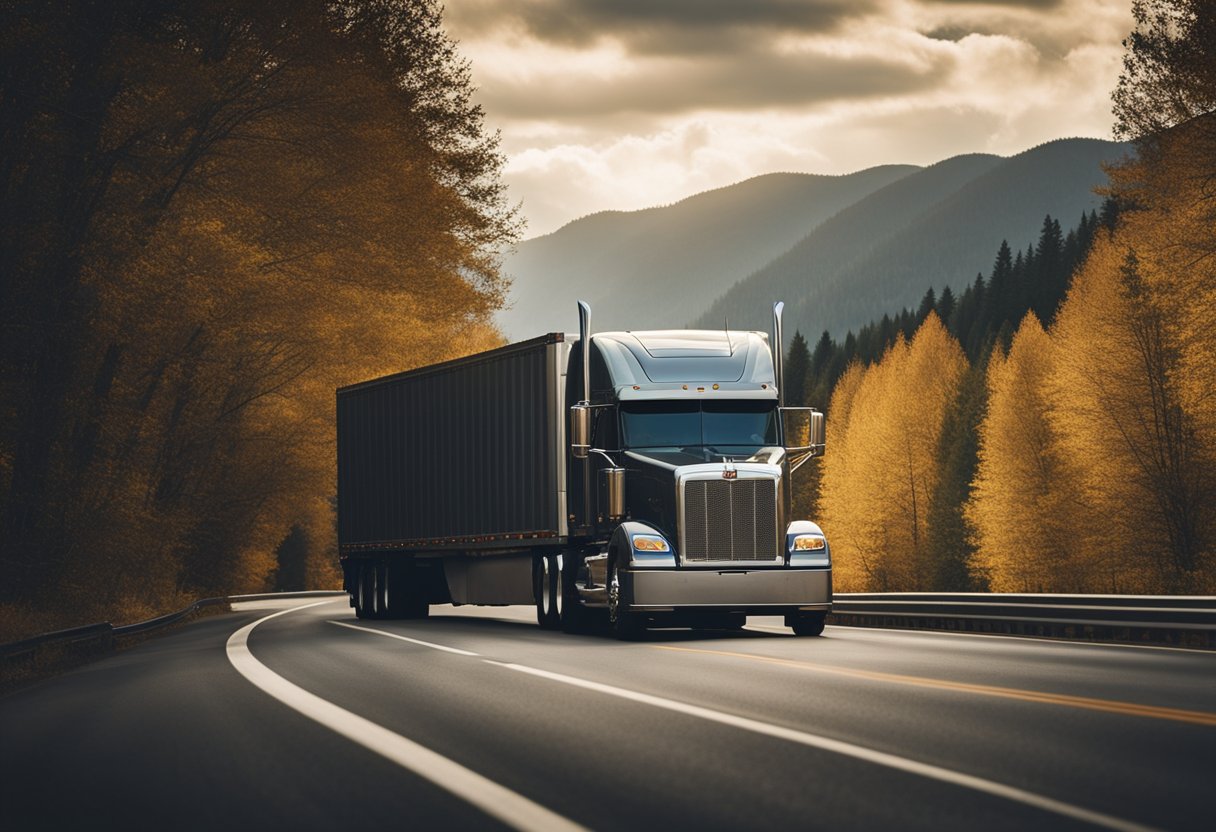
(1023, 508)
(213, 214)
(1169, 69)
(1142, 443)
(945, 306)
(927, 304)
(950, 550)
(797, 367)
(1050, 278)
(882, 466)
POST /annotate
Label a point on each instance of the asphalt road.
(478, 719)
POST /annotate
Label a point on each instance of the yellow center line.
(1110, 706)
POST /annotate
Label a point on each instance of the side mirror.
(580, 430)
(804, 429)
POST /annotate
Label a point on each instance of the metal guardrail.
(98, 639)
(1188, 621)
(1148, 619)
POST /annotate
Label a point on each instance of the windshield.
(731, 426)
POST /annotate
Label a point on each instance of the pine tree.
(927, 304)
(821, 375)
(999, 297)
(1049, 280)
(950, 549)
(945, 306)
(797, 366)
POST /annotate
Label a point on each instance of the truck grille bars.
(730, 520)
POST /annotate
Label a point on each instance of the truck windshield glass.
(736, 424)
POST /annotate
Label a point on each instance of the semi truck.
(626, 479)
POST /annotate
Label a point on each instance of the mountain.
(659, 267)
(936, 227)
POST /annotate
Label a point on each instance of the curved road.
(293, 714)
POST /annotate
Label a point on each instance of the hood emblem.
(729, 472)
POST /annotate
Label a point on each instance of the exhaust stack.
(778, 353)
(584, 336)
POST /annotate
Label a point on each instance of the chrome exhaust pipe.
(584, 337)
(778, 353)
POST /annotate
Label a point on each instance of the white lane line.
(420, 642)
(497, 801)
(847, 749)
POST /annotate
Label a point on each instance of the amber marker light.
(809, 543)
(650, 543)
(715, 387)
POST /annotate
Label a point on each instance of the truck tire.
(546, 580)
(807, 623)
(625, 625)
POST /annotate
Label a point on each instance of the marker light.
(809, 543)
(650, 543)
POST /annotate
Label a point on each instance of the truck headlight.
(650, 543)
(809, 543)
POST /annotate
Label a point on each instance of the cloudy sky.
(629, 103)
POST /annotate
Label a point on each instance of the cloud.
(752, 81)
(640, 102)
(654, 27)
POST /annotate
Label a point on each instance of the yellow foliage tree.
(882, 461)
(1130, 414)
(1023, 507)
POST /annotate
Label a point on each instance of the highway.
(296, 715)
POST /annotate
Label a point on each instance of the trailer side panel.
(456, 455)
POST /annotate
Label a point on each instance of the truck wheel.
(627, 626)
(544, 591)
(807, 623)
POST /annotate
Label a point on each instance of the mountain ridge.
(836, 249)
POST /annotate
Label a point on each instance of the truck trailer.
(634, 478)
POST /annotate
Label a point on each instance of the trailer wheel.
(381, 596)
(545, 577)
(625, 625)
(365, 586)
(807, 623)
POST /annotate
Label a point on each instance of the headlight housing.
(809, 543)
(650, 543)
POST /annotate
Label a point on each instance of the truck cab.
(679, 484)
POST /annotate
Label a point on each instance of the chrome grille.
(730, 520)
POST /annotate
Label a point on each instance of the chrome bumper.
(661, 590)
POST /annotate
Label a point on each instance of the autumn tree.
(1132, 418)
(883, 467)
(213, 214)
(1027, 516)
